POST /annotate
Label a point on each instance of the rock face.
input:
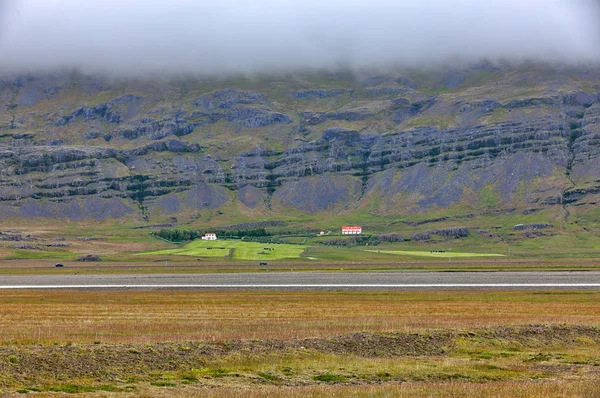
(241, 107)
(523, 227)
(151, 150)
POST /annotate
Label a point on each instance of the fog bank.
(232, 36)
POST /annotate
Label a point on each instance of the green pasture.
(41, 254)
(236, 249)
(447, 254)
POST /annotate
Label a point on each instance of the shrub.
(329, 378)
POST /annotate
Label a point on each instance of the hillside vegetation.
(401, 151)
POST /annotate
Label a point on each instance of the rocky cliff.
(409, 142)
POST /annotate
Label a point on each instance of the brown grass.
(528, 389)
(28, 317)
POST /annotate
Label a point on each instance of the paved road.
(314, 281)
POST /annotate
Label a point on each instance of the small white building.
(351, 230)
(209, 236)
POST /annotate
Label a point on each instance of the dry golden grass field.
(45, 317)
(298, 344)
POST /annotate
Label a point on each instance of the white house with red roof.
(209, 236)
(351, 230)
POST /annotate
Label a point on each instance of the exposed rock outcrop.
(391, 143)
(523, 227)
(244, 108)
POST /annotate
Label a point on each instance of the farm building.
(351, 230)
(209, 236)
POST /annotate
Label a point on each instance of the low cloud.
(238, 36)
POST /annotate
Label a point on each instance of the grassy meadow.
(236, 250)
(436, 254)
(120, 242)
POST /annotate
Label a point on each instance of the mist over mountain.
(210, 37)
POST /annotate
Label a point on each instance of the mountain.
(419, 144)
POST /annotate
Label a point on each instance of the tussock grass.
(316, 361)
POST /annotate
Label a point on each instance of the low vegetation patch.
(437, 253)
(329, 378)
(163, 384)
(269, 377)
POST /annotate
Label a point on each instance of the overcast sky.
(212, 36)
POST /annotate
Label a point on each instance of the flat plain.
(226, 343)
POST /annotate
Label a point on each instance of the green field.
(447, 254)
(236, 249)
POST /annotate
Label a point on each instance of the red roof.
(351, 227)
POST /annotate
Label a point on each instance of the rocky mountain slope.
(483, 139)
